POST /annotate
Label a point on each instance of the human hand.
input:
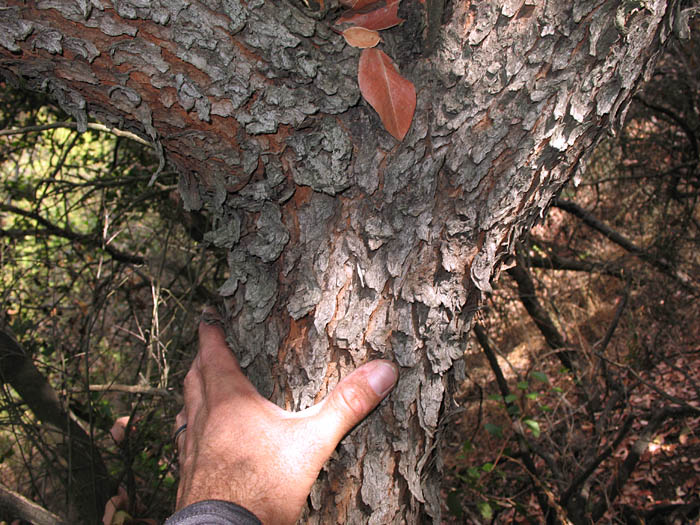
(240, 447)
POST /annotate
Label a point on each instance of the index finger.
(215, 360)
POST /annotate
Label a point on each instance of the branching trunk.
(343, 244)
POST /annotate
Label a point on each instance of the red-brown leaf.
(361, 37)
(392, 96)
(376, 18)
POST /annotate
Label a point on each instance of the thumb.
(354, 398)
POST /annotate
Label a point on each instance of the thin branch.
(90, 240)
(586, 473)
(591, 221)
(688, 130)
(137, 389)
(73, 125)
(540, 492)
(556, 262)
(621, 304)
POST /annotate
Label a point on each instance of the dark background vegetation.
(582, 402)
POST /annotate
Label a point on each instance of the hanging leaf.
(392, 96)
(361, 37)
(377, 18)
(534, 427)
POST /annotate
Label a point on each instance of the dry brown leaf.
(361, 37)
(392, 96)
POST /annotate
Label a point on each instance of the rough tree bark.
(345, 245)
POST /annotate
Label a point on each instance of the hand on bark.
(240, 447)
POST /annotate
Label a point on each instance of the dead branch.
(17, 506)
(661, 264)
(73, 125)
(527, 295)
(92, 486)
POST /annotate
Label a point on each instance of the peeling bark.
(345, 245)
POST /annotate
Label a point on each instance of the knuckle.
(353, 398)
(192, 381)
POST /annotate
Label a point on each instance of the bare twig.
(91, 240)
(73, 125)
(137, 389)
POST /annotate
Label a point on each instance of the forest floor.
(483, 483)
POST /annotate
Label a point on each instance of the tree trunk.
(345, 245)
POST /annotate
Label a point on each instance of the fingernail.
(210, 315)
(382, 377)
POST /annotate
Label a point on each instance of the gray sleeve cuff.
(213, 512)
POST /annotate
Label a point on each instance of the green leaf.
(557, 389)
(541, 377)
(488, 467)
(545, 408)
(534, 426)
(494, 430)
(485, 510)
(532, 395)
(523, 385)
(511, 398)
(494, 397)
